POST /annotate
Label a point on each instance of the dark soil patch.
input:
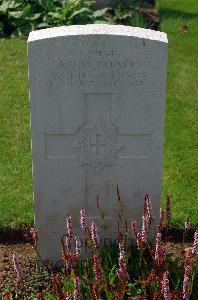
(26, 249)
(13, 236)
(22, 249)
(176, 235)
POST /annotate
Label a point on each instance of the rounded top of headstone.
(94, 29)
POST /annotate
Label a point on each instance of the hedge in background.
(19, 17)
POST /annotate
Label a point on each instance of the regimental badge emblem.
(98, 145)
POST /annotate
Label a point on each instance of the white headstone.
(97, 113)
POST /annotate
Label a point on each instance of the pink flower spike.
(122, 271)
(76, 288)
(139, 241)
(97, 270)
(68, 242)
(144, 228)
(78, 246)
(195, 243)
(160, 251)
(134, 227)
(187, 224)
(161, 219)
(95, 293)
(165, 287)
(82, 219)
(69, 226)
(94, 234)
(157, 248)
(149, 208)
(68, 297)
(34, 235)
(168, 210)
(185, 290)
(17, 266)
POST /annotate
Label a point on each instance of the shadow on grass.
(14, 236)
(173, 13)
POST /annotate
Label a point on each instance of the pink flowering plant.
(131, 267)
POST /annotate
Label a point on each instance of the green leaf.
(55, 15)
(27, 11)
(112, 275)
(43, 25)
(3, 8)
(8, 5)
(122, 14)
(100, 12)
(80, 11)
(16, 14)
(50, 297)
(102, 22)
(67, 9)
(34, 17)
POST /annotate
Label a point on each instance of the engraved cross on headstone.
(98, 144)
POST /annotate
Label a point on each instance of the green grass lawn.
(181, 130)
(180, 154)
(16, 205)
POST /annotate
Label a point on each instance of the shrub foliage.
(19, 17)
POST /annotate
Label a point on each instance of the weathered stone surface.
(97, 112)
